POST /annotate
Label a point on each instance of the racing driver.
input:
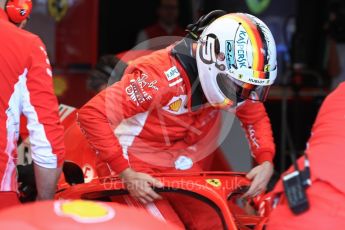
(160, 117)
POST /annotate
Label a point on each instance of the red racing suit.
(148, 115)
(325, 150)
(26, 88)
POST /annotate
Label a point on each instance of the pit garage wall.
(77, 35)
(72, 46)
(42, 24)
(76, 53)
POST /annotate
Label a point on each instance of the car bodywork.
(220, 190)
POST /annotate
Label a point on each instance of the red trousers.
(8, 199)
(327, 210)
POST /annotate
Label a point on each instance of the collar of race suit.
(182, 52)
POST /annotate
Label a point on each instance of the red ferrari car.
(220, 191)
(78, 214)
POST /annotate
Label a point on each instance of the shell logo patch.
(84, 211)
(176, 105)
(214, 182)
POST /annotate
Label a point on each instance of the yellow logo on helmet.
(84, 211)
(176, 105)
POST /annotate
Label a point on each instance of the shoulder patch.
(172, 73)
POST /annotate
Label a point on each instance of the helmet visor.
(235, 89)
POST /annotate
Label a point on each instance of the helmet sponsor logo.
(22, 12)
(256, 81)
(229, 53)
(172, 73)
(241, 43)
(267, 68)
(84, 211)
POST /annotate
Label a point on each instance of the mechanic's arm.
(46, 180)
(258, 130)
(100, 117)
(40, 107)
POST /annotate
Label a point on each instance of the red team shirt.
(26, 88)
(326, 154)
(326, 144)
(148, 117)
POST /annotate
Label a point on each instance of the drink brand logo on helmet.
(18, 10)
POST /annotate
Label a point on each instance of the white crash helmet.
(236, 60)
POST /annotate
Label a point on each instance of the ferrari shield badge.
(84, 211)
(214, 182)
(57, 8)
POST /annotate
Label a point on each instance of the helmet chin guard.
(236, 60)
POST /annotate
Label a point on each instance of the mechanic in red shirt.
(325, 151)
(160, 117)
(26, 88)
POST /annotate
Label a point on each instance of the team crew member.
(26, 88)
(166, 25)
(159, 119)
(325, 151)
